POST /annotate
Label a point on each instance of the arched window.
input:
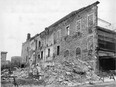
(66, 53)
(78, 51)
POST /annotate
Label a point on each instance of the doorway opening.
(107, 63)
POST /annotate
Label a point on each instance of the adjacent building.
(106, 49)
(3, 58)
(16, 60)
(75, 36)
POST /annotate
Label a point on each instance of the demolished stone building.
(25, 50)
(75, 36)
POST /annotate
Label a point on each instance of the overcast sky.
(19, 17)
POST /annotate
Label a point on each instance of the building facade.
(25, 50)
(3, 56)
(16, 60)
(74, 37)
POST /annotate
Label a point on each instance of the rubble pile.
(20, 73)
(69, 73)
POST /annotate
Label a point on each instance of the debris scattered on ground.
(70, 73)
(20, 73)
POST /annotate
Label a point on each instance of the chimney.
(47, 30)
(28, 36)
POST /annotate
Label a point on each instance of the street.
(105, 84)
(101, 84)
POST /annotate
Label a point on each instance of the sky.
(19, 17)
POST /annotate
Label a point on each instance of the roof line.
(65, 17)
(73, 12)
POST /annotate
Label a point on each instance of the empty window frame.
(35, 44)
(67, 29)
(41, 54)
(58, 33)
(66, 53)
(90, 22)
(39, 43)
(78, 25)
(58, 50)
(48, 52)
(78, 51)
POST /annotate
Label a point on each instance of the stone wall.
(25, 52)
(75, 34)
(81, 43)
